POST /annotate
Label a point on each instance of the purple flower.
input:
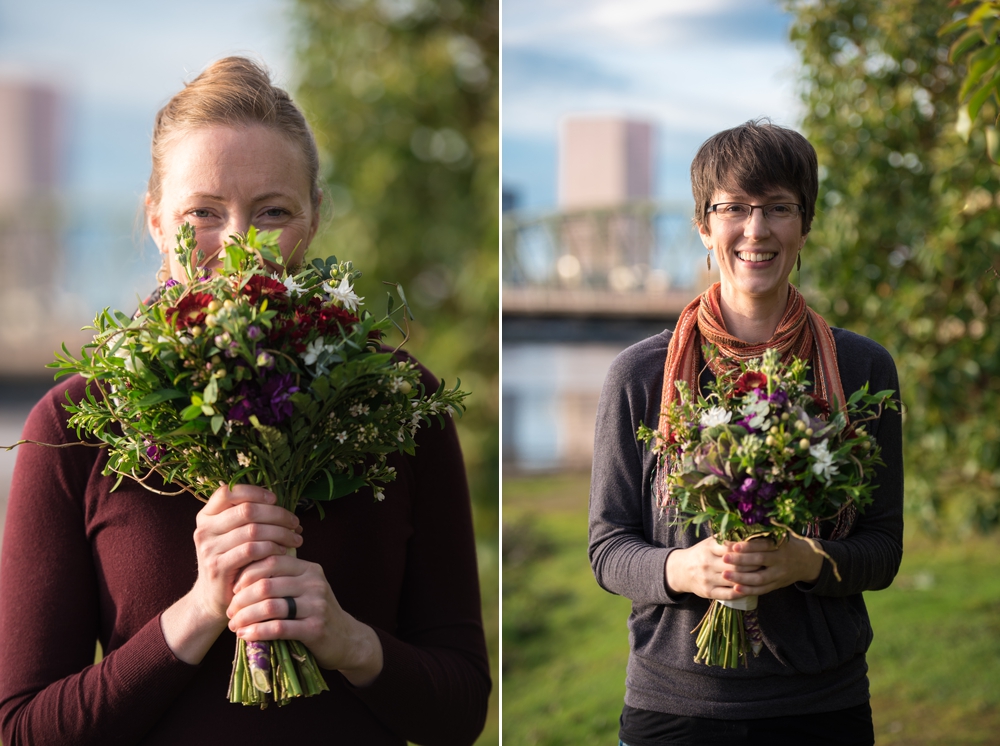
(278, 391)
(253, 332)
(778, 397)
(751, 498)
(153, 451)
(265, 360)
(170, 283)
(270, 401)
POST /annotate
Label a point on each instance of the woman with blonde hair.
(385, 594)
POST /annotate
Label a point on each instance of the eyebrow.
(218, 198)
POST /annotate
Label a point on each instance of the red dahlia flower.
(822, 405)
(258, 287)
(190, 310)
(749, 381)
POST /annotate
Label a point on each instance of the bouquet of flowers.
(260, 375)
(762, 456)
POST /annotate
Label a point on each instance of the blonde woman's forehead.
(213, 160)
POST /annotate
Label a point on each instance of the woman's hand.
(733, 570)
(235, 528)
(340, 642)
(760, 566)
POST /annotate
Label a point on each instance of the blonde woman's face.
(222, 180)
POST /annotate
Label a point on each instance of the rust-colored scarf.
(801, 333)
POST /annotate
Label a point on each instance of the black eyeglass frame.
(763, 208)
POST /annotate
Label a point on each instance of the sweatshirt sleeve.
(627, 555)
(51, 692)
(435, 682)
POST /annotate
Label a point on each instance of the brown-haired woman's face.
(222, 180)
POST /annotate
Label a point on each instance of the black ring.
(291, 607)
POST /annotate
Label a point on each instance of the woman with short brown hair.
(755, 192)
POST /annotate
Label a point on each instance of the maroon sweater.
(82, 564)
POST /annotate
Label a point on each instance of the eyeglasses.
(740, 212)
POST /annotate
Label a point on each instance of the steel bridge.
(599, 274)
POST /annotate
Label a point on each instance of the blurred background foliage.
(906, 245)
(403, 96)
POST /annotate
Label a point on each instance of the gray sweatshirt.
(815, 635)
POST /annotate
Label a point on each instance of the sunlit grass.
(934, 664)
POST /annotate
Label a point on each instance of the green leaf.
(191, 412)
(963, 44)
(982, 95)
(979, 63)
(992, 144)
(159, 396)
(211, 393)
(217, 422)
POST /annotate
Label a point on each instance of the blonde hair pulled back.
(231, 92)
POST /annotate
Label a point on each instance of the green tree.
(977, 50)
(403, 96)
(906, 245)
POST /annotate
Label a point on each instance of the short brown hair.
(234, 92)
(755, 157)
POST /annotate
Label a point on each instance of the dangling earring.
(798, 262)
(162, 274)
(708, 259)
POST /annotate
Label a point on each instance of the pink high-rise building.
(31, 217)
(30, 140)
(604, 160)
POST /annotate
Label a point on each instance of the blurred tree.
(977, 50)
(403, 95)
(906, 245)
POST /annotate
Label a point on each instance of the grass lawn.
(934, 664)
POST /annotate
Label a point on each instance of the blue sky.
(116, 63)
(693, 67)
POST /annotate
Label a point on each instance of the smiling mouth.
(756, 256)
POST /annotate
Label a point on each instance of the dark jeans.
(848, 727)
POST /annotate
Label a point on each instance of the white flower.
(293, 288)
(380, 496)
(314, 349)
(824, 468)
(715, 416)
(357, 410)
(243, 459)
(341, 436)
(344, 294)
(756, 412)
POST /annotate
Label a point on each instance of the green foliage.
(404, 101)
(905, 246)
(976, 49)
(792, 462)
(932, 665)
(286, 387)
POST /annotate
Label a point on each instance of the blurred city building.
(32, 168)
(610, 267)
(604, 161)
